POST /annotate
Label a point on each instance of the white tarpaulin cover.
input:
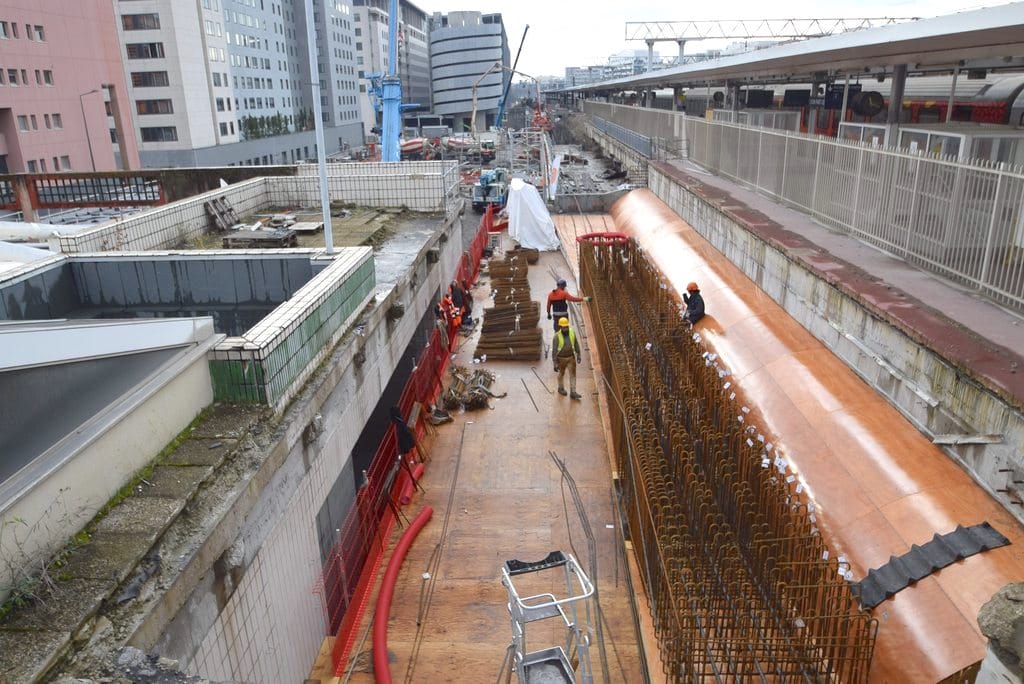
(529, 222)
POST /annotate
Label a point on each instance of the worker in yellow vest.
(566, 354)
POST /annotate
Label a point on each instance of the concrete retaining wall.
(632, 161)
(932, 392)
(263, 622)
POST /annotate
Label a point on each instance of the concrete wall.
(420, 186)
(923, 385)
(97, 460)
(634, 163)
(265, 624)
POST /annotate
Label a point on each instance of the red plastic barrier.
(381, 668)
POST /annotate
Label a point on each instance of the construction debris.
(469, 389)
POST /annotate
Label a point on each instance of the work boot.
(561, 390)
(575, 396)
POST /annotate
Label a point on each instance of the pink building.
(62, 90)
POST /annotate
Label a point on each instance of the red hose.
(407, 488)
(381, 669)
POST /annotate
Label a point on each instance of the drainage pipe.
(410, 484)
(381, 669)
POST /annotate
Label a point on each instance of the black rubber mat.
(921, 561)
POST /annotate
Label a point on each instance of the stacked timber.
(509, 329)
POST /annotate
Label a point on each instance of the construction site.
(622, 393)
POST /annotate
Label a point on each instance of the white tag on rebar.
(745, 409)
(648, 346)
(765, 463)
(841, 560)
(810, 505)
(813, 518)
(750, 442)
(727, 385)
(721, 373)
(739, 418)
(791, 479)
(768, 446)
(799, 488)
(732, 395)
(824, 554)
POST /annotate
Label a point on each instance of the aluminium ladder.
(552, 664)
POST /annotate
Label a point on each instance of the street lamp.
(85, 122)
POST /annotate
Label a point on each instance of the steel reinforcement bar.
(740, 583)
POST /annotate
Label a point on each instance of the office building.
(463, 47)
(227, 82)
(62, 89)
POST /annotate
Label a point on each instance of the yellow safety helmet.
(563, 322)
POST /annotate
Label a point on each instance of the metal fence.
(964, 221)
(631, 139)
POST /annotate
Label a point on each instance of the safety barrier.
(740, 583)
(348, 574)
(962, 220)
(631, 139)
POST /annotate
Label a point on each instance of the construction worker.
(694, 303)
(566, 354)
(558, 302)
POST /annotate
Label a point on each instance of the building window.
(12, 76)
(159, 134)
(22, 122)
(113, 136)
(57, 121)
(154, 107)
(149, 79)
(46, 122)
(65, 162)
(140, 22)
(42, 162)
(145, 50)
(47, 77)
(56, 164)
(14, 29)
(4, 35)
(216, 78)
(223, 128)
(32, 166)
(35, 122)
(39, 77)
(40, 36)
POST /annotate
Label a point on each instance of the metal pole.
(391, 93)
(318, 121)
(846, 99)
(85, 123)
(952, 95)
(987, 256)
(650, 55)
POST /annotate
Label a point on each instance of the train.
(988, 99)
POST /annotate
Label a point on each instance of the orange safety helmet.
(692, 287)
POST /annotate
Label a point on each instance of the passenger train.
(994, 99)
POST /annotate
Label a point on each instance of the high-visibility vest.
(561, 340)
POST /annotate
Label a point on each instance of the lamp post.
(85, 122)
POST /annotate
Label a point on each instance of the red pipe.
(417, 473)
(381, 669)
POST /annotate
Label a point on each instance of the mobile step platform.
(553, 663)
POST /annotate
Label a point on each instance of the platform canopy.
(990, 38)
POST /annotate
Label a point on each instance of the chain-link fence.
(962, 220)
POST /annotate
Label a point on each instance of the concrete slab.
(227, 422)
(110, 555)
(174, 482)
(66, 605)
(26, 656)
(148, 516)
(201, 452)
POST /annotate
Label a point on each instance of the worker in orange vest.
(565, 350)
(453, 312)
(558, 302)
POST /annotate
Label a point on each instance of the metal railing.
(631, 139)
(961, 220)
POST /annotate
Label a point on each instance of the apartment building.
(413, 68)
(63, 101)
(227, 82)
(463, 47)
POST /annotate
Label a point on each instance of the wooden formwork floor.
(506, 501)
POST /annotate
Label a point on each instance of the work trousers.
(555, 315)
(566, 363)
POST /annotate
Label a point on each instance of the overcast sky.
(583, 32)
